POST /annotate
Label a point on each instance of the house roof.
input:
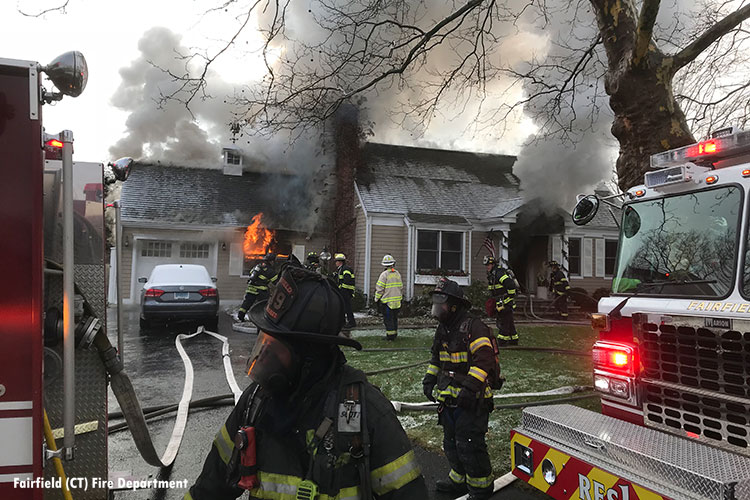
(204, 196)
(433, 182)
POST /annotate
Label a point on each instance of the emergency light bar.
(706, 152)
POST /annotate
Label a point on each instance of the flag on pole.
(489, 244)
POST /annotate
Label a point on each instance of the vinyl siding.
(360, 249)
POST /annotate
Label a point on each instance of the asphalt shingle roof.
(203, 196)
(401, 179)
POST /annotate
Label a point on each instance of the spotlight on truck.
(69, 73)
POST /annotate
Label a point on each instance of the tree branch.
(645, 30)
(61, 8)
(709, 36)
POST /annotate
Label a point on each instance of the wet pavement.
(157, 373)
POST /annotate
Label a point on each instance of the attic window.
(233, 158)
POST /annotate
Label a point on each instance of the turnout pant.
(506, 327)
(348, 308)
(465, 447)
(252, 298)
(561, 304)
(390, 319)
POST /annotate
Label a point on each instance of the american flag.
(489, 244)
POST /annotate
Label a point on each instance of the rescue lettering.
(587, 488)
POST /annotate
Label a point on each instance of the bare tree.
(423, 55)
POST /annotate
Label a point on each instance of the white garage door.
(150, 253)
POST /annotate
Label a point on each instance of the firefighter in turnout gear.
(262, 275)
(312, 262)
(558, 284)
(502, 288)
(345, 280)
(308, 426)
(462, 357)
(388, 292)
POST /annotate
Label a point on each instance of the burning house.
(224, 219)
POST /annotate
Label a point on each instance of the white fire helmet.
(388, 260)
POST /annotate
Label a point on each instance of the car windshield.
(179, 274)
(684, 245)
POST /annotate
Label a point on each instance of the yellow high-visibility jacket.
(388, 289)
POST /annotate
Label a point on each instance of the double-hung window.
(439, 250)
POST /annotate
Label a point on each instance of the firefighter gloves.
(428, 385)
(466, 399)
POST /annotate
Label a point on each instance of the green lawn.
(525, 371)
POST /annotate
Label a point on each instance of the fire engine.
(56, 360)
(672, 363)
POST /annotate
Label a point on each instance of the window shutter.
(236, 259)
(587, 257)
(556, 248)
(599, 258)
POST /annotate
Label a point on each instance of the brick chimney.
(347, 135)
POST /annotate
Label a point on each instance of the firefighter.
(558, 284)
(262, 275)
(388, 292)
(312, 262)
(345, 280)
(502, 289)
(308, 425)
(462, 358)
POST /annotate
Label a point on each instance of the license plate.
(182, 295)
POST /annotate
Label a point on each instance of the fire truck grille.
(696, 381)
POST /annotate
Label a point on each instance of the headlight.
(601, 383)
(549, 472)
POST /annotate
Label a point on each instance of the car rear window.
(180, 274)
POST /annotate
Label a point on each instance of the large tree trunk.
(639, 82)
(647, 118)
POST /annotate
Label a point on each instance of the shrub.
(601, 292)
(582, 299)
(358, 301)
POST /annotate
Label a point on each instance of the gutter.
(409, 259)
(368, 240)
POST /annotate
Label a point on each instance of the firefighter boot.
(449, 486)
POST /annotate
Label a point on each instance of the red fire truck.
(55, 355)
(672, 363)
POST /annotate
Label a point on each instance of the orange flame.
(257, 237)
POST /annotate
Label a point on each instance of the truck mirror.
(121, 168)
(142, 280)
(585, 210)
(631, 222)
(69, 73)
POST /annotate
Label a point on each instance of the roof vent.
(232, 160)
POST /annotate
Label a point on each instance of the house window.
(574, 256)
(610, 257)
(194, 250)
(439, 250)
(157, 249)
(233, 158)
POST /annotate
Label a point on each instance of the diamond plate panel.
(676, 467)
(91, 390)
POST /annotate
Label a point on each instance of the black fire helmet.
(450, 288)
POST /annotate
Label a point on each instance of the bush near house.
(525, 371)
(582, 299)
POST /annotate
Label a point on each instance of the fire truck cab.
(672, 363)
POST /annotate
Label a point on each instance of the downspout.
(368, 253)
(469, 235)
(409, 243)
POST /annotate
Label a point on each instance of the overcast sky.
(107, 33)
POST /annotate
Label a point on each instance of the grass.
(525, 371)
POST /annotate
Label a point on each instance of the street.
(157, 373)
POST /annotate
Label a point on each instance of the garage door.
(151, 253)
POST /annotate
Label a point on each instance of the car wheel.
(144, 324)
(212, 323)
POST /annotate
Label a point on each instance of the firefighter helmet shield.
(448, 288)
(339, 256)
(304, 307)
(388, 260)
(489, 259)
(273, 364)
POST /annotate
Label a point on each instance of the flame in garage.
(257, 237)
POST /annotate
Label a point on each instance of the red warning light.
(54, 143)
